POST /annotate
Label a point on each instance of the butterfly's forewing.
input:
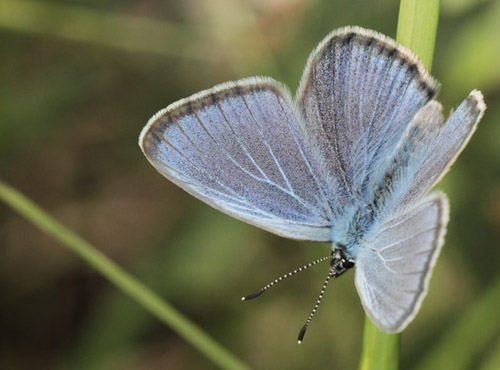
(358, 93)
(443, 151)
(394, 267)
(239, 148)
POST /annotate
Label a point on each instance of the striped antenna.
(304, 328)
(277, 280)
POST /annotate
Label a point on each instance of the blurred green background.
(79, 79)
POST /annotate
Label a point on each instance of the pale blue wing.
(397, 174)
(394, 266)
(239, 148)
(358, 93)
(443, 150)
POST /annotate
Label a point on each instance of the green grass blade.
(417, 27)
(380, 350)
(121, 279)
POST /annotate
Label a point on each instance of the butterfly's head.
(340, 263)
(346, 246)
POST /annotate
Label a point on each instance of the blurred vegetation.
(79, 79)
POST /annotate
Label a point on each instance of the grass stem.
(417, 27)
(121, 279)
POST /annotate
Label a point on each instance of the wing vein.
(391, 120)
(330, 145)
(370, 123)
(407, 255)
(290, 191)
(230, 157)
(410, 216)
(340, 159)
(361, 147)
(243, 203)
(388, 298)
(240, 143)
(162, 138)
(306, 161)
(406, 239)
(268, 147)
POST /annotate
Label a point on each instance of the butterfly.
(349, 160)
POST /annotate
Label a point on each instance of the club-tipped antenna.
(277, 280)
(304, 328)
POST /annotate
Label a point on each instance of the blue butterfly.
(348, 160)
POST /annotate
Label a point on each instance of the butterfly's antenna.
(304, 328)
(277, 280)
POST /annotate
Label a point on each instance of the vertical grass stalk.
(417, 26)
(380, 350)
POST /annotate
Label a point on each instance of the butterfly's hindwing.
(444, 149)
(394, 265)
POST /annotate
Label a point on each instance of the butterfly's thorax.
(349, 235)
(361, 216)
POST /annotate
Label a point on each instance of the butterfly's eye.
(348, 264)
